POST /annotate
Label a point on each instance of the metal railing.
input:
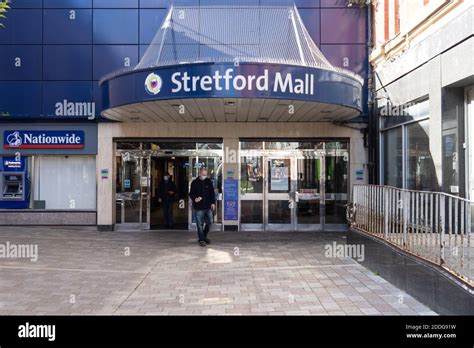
(435, 226)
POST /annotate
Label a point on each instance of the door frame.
(291, 196)
(144, 203)
(313, 227)
(267, 226)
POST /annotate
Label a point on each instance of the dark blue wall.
(63, 58)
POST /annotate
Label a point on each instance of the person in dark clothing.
(166, 192)
(204, 202)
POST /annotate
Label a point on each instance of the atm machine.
(14, 188)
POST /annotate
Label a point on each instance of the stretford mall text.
(283, 82)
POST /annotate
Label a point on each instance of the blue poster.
(231, 199)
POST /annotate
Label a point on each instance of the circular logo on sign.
(153, 84)
(14, 139)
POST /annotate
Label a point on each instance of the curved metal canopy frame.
(218, 34)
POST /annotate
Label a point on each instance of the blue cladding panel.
(154, 3)
(97, 98)
(333, 3)
(67, 3)
(115, 3)
(116, 27)
(308, 3)
(58, 91)
(351, 57)
(109, 58)
(343, 25)
(20, 98)
(312, 20)
(21, 62)
(22, 27)
(59, 28)
(70, 62)
(28, 4)
(150, 22)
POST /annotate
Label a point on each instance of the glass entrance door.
(132, 196)
(309, 195)
(279, 194)
(294, 193)
(293, 186)
(251, 193)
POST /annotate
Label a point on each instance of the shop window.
(393, 160)
(407, 160)
(420, 168)
(65, 182)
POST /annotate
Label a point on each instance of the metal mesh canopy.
(220, 31)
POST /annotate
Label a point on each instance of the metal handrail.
(435, 226)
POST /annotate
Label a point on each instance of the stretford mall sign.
(222, 80)
(230, 81)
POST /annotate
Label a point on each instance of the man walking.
(166, 192)
(204, 202)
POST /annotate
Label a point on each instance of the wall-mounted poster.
(231, 199)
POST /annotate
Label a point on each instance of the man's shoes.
(202, 243)
(207, 240)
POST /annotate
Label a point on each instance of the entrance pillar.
(231, 184)
(105, 180)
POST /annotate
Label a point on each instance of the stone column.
(105, 186)
(231, 184)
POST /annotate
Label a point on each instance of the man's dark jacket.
(204, 189)
(164, 188)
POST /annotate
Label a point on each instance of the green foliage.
(4, 7)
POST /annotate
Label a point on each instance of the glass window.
(251, 145)
(419, 165)
(251, 212)
(396, 114)
(279, 174)
(169, 145)
(251, 175)
(281, 145)
(128, 146)
(392, 151)
(209, 146)
(337, 145)
(66, 182)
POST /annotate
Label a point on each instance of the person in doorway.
(204, 203)
(166, 193)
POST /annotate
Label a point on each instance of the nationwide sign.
(26, 139)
